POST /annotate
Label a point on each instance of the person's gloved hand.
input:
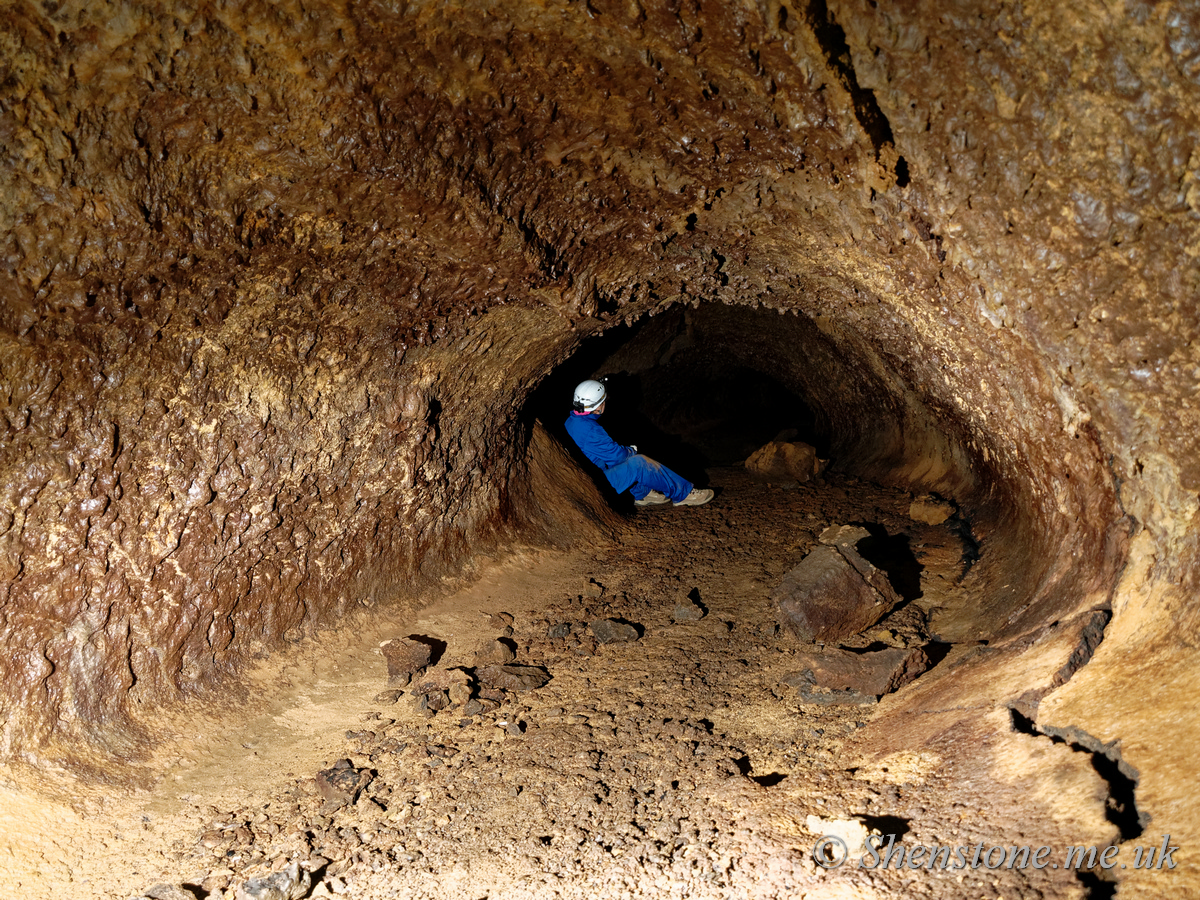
(633, 447)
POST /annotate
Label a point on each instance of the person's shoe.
(698, 497)
(654, 498)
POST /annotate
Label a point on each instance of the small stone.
(388, 697)
(439, 679)
(494, 653)
(212, 839)
(686, 611)
(459, 694)
(610, 631)
(513, 678)
(593, 588)
(473, 708)
(559, 630)
(291, 883)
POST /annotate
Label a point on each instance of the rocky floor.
(666, 755)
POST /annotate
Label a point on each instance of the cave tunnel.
(306, 589)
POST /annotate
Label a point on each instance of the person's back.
(650, 482)
(585, 429)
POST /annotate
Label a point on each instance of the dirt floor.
(676, 763)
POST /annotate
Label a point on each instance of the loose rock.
(610, 631)
(930, 510)
(873, 673)
(783, 461)
(341, 783)
(494, 653)
(404, 658)
(825, 598)
(513, 678)
(291, 883)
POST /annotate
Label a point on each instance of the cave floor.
(678, 764)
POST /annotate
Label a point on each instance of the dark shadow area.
(832, 38)
(437, 647)
(887, 825)
(936, 651)
(769, 780)
(685, 394)
(894, 556)
(971, 550)
(1120, 807)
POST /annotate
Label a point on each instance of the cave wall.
(277, 279)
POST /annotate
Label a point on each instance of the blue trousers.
(640, 475)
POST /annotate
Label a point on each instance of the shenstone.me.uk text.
(883, 852)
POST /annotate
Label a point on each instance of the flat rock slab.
(870, 674)
(827, 598)
(512, 678)
(843, 535)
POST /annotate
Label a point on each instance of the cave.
(293, 296)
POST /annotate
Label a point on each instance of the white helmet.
(588, 395)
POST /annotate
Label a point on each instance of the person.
(650, 482)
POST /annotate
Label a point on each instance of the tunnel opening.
(687, 397)
(703, 387)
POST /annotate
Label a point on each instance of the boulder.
(405, 657)
(827, 599)
(930, 510)
(785, 461)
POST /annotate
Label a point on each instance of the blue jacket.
(601, 449)
(593, 440)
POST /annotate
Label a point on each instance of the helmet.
(588, 395)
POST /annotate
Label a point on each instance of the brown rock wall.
(276, 281)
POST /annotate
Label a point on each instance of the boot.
(654, 498)
(698, 497)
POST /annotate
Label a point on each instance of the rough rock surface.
(278, 281)
(785, 461)
(405, 657)
(513, 678)
(871, 673)
(827, 599)
(930, 510)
